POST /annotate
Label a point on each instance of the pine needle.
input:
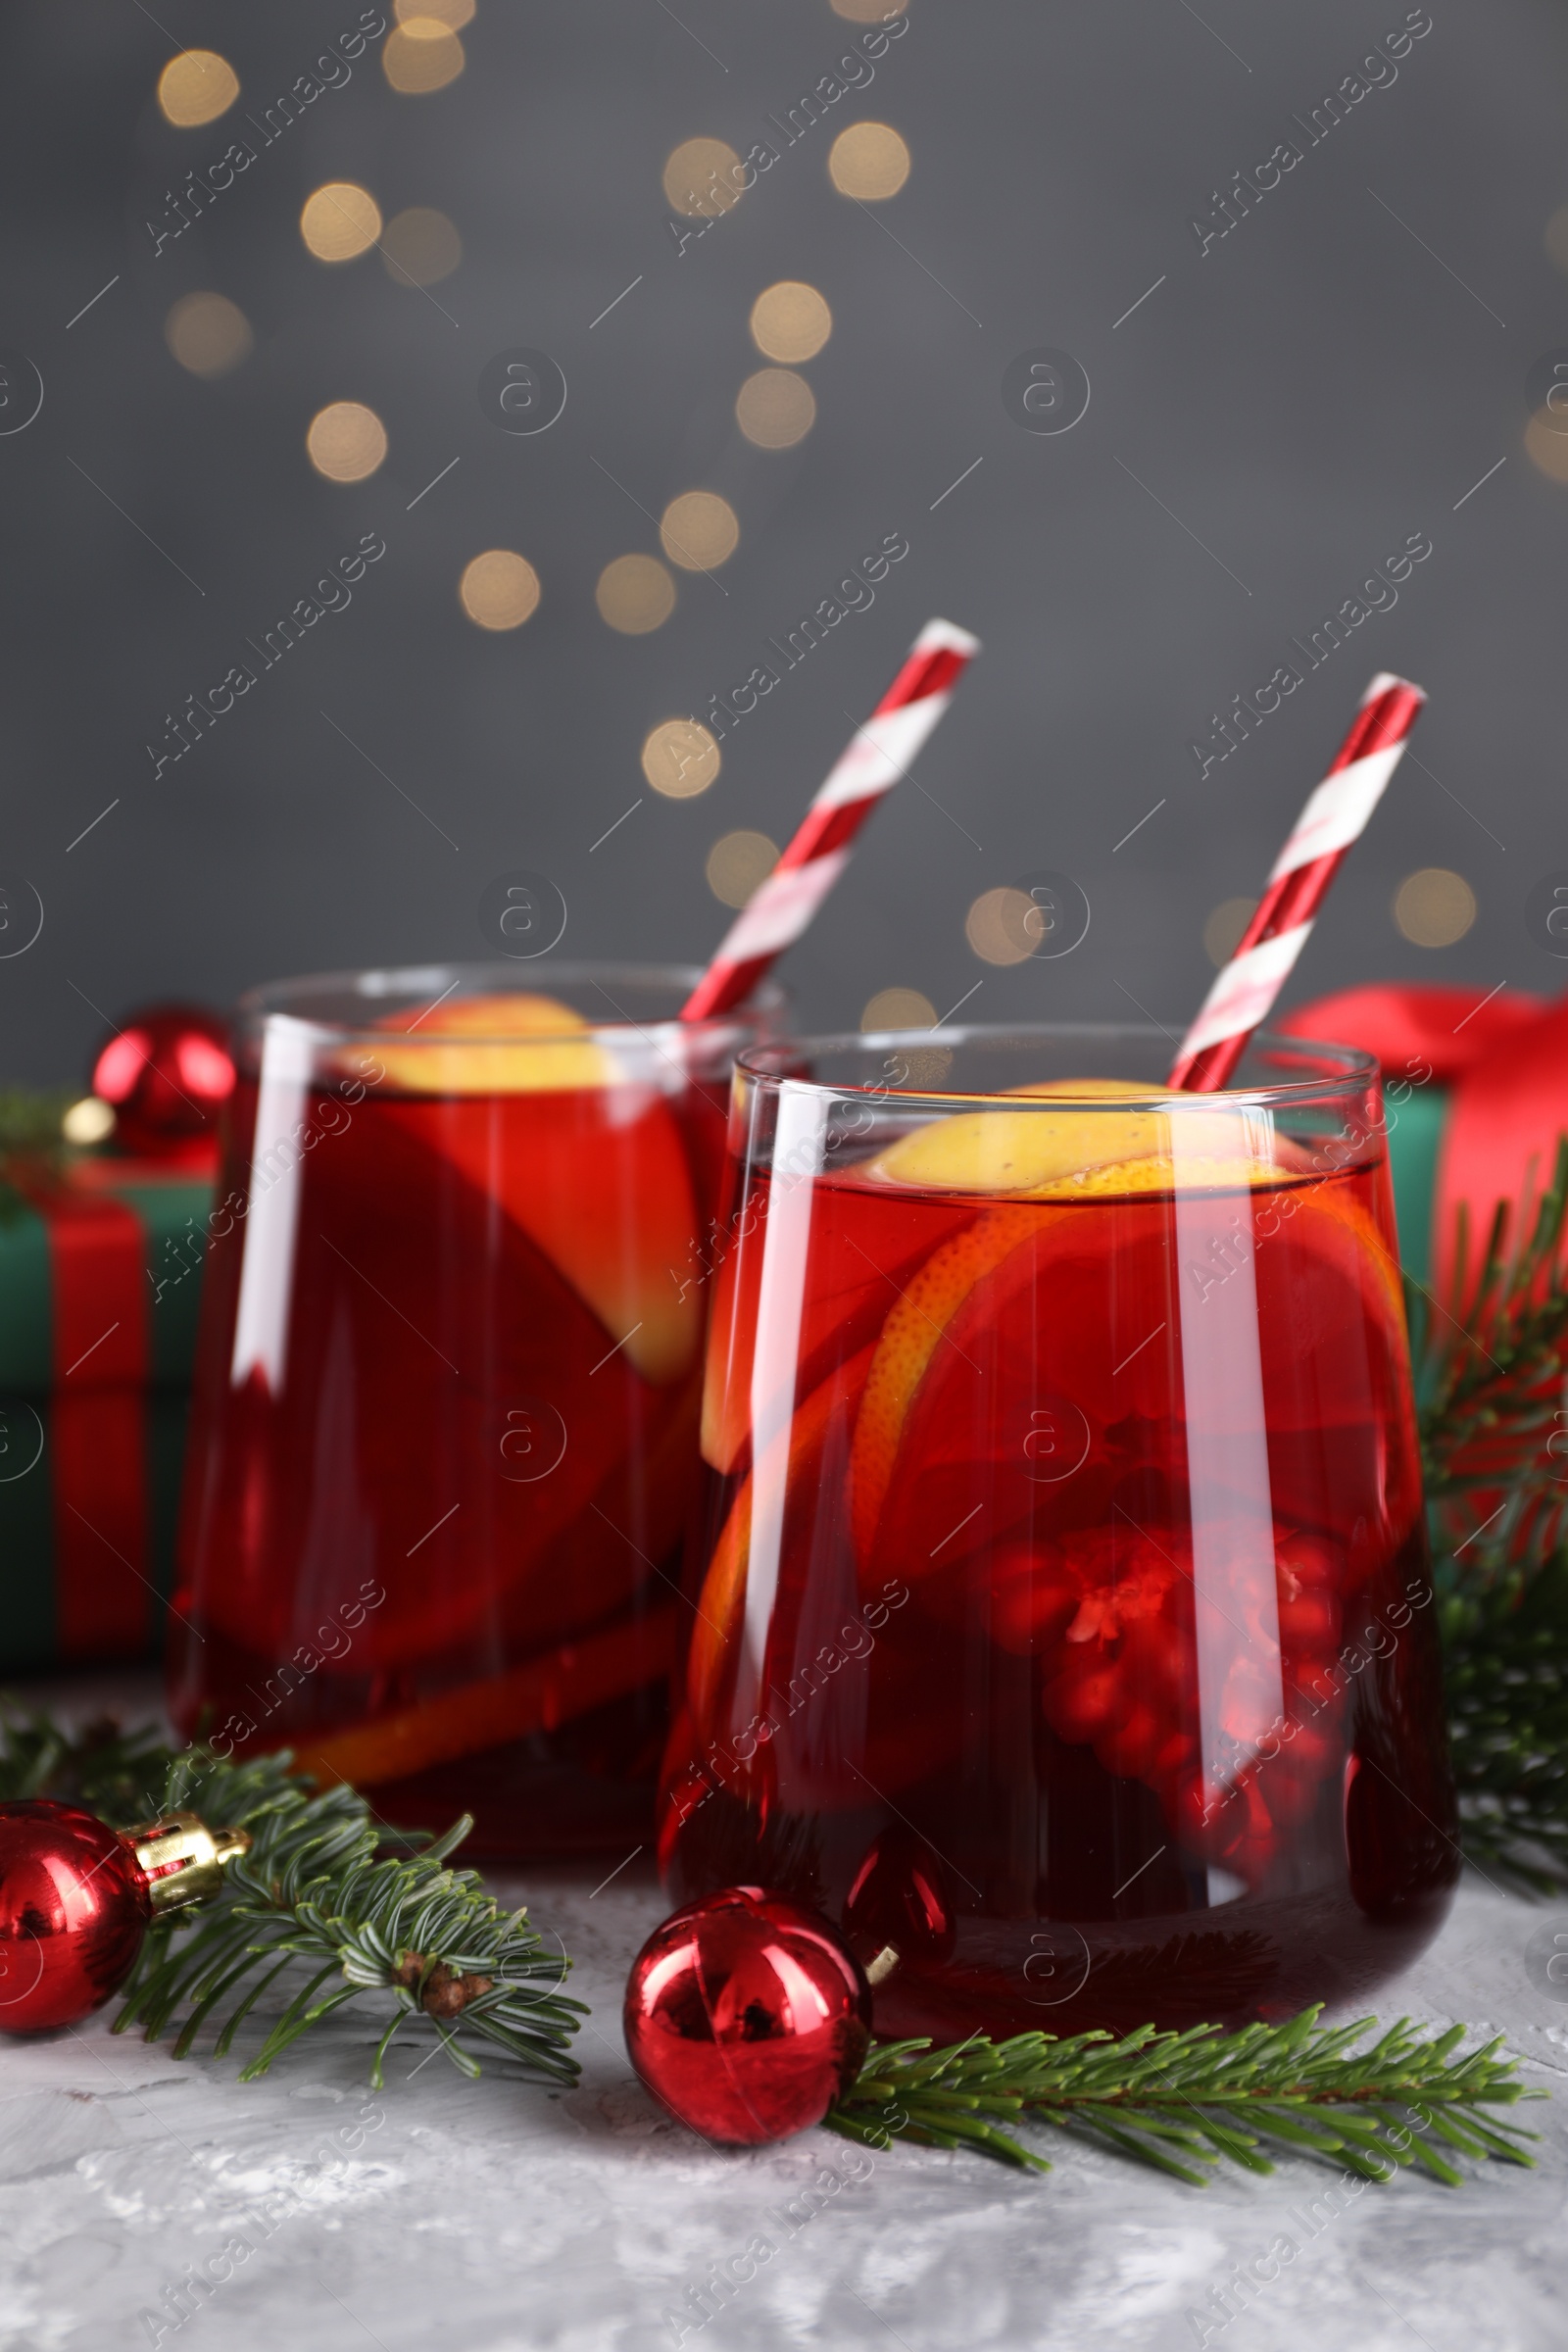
(1492, 1394)
(1179, 2101)
(317, 1888)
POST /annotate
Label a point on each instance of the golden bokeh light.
(89, 1121)
(453, 14)
(346, 441)
(699, 530)
(208, 333)
(420, 56)
(868, 160)
(420, 247)
(1433, 907)
(738, 865)
(196, 87)
(869, 12)
(790, 322)
(1004, 926)
(680, 758)
(340, 220)
(702, 179)
(500, 589)
(1547, 445)
(1224, 928)
(635, 594)
(1556, 238)
(898, 1008)
(775, 407)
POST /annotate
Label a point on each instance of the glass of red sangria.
(444, 1439)
(1063, 1624)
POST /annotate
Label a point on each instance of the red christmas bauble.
(73, 1907)
(167, 1073)
(747, 2016)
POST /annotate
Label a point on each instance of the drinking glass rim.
(275, 1000)
(1356, 1068)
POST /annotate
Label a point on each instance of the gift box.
(100, 1274)
(1476, 1096)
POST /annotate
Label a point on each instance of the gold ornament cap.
(181, 1859)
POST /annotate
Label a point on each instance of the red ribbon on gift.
(97, 1420)
(1504, 1059)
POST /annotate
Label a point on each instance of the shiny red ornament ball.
(747, 2016)
(167, 1075)
(73, 1908)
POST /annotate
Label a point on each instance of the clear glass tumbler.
(1062, 1623)
(444, 1443)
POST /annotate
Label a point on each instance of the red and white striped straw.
(1334, 816)
(877, 757)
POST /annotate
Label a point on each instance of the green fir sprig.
(1180, 2100)
(319, 1887)
(1491, 1396)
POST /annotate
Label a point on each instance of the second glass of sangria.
(1063, 1626)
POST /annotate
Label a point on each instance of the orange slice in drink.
(1050, 1167)
(539, 1116)
(723, 1594)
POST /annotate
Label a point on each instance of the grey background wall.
(1284, 409)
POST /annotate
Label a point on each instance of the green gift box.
(100, 1279)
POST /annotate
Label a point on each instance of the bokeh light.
(635, 594)
(208, 333)
(453, 14)
(1003, 926)
(1556, 238)
(1224, 928)
(500, 589)
(89, 1121)
(701, 179)
(738, 865)
(680, 758)
(420, 56)
(898, 1008)
(775, 407)
(346, 441)
(868, 160)
(1433, 907)
(790, 322)
(420, 247)
(699, 530)
(867, 12)
(196, 87)
(340, 220)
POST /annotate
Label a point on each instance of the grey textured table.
(494, 2216)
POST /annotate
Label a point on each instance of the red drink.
(445, 1438)
(1067, 1630)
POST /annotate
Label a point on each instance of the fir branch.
(317, 1887)
(1180, 2100)
(1491, 1379)
(99, 1767)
